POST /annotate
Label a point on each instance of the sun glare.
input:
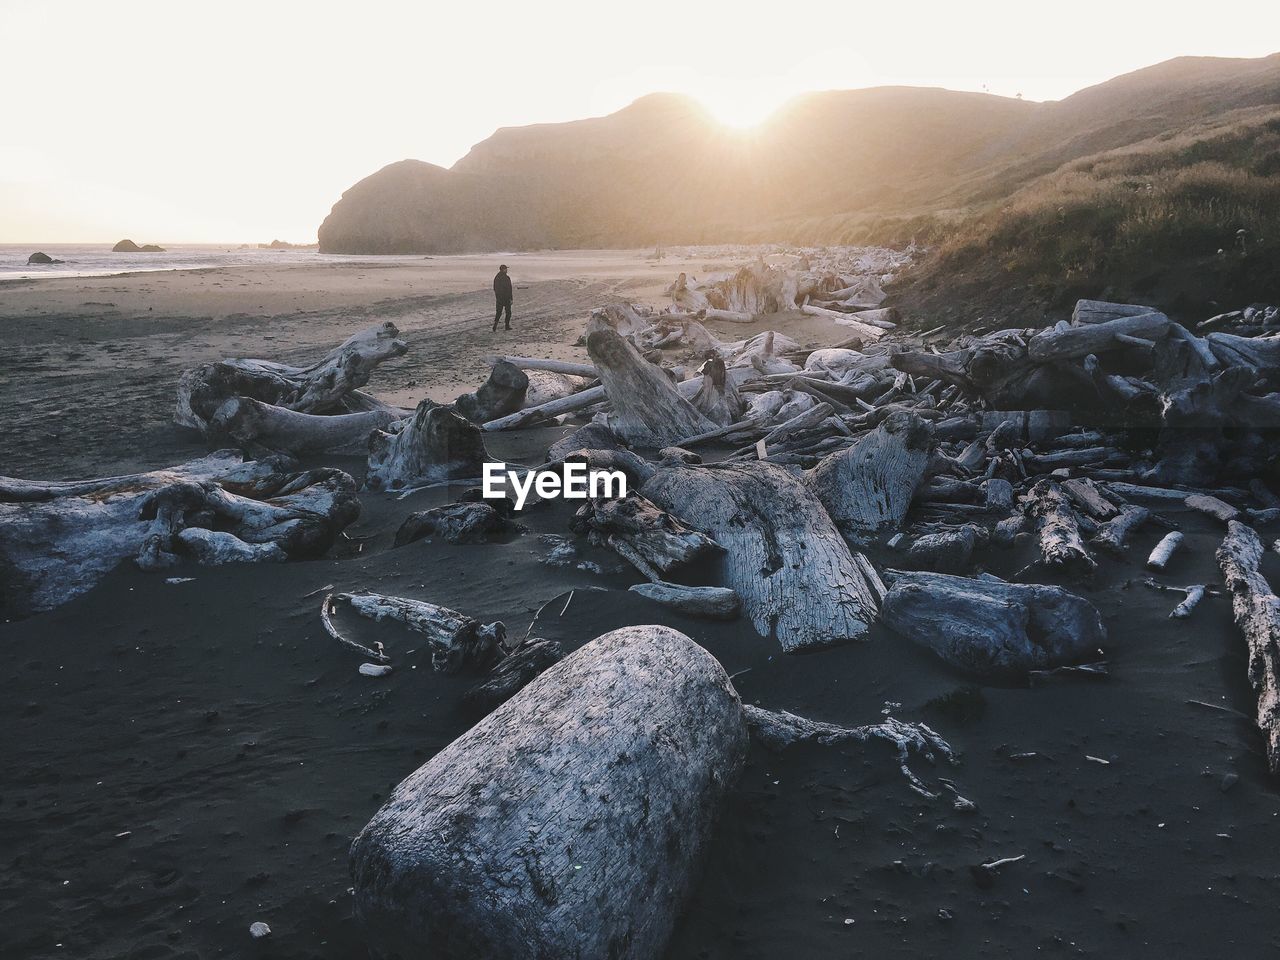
(740, 109)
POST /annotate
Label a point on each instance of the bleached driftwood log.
(870, 484)
(57, 540)
(570, 822)
(1073, 343)
(778, 729)
(993, 629)
(1257, 614)
(647, 408)
(783, 554)
(331, 385)
(1100, 311)
(255, 425)
(502, 393)
(1061, 546)
(867, 331)
(434, 444)
(714, 603)
(457, 642)
(1163, 551)
(650, 539)
(1114, 534)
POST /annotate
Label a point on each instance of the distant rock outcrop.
(128, 246)
(41, 257)
(664, 171)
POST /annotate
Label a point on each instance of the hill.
(876, 164)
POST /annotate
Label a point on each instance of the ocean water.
(97, 260)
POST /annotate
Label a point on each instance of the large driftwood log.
(783, 554)
(58, 540)
(434, 444)
(1257, 614)
(647, 408)
(331, 385)
(501, 394)
(570, 822)
(1073, 343)
(1114, 534)
(993, 629)
(870, 484)
(457, 642)
(653, 541)
(255, 425)
(1100, 311)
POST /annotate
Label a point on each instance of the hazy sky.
(245, 121)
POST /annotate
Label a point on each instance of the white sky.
(244, 121)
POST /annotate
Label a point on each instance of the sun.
(740, 109)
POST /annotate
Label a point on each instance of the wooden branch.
(457, 642)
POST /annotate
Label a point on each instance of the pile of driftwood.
(762, 478)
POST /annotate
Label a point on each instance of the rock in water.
(126, 246)
(41, 257)
(570, 822)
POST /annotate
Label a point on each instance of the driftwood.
(993, 629)
(434, 444)
(1257, 614)
(1113, 535)
(783, 555)
(501, 394)
(714, 603)
(1061, 546)
(570, 822)
(255, 425)
(513, 673)
(1163, 551)
(647, 408)
(949, 551)
(717, 398)
(331, 385)
(870, 484)
(653, 541)
(1100, 311)
(778, 730)
(594, 436)
(1073, 343)
(57, 540)
(454, 523)
(457, 642)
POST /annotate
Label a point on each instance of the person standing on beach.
(502, 292)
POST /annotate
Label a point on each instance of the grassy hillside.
(1146, 221)
(1132, 185)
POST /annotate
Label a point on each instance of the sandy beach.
(89, 366)
(185, 758)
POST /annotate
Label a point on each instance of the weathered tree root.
(457, 642)
(652, 540)
(778, 730)
(434, 444)
(329, 386)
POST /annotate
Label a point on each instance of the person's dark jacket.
(502, 287)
